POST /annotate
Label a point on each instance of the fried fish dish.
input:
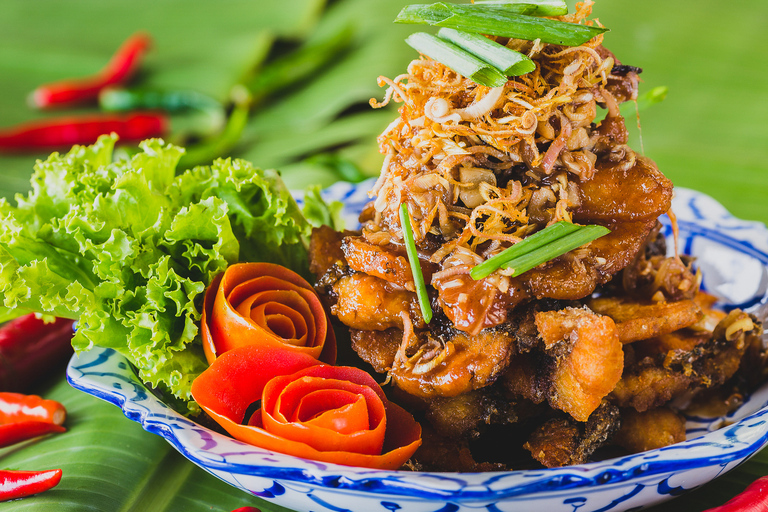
(595, 349)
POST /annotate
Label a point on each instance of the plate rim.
(467, 487)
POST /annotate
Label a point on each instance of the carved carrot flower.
(265, 304)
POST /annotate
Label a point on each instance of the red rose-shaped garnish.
(327, 413)
(266, 304)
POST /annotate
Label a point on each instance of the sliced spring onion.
(554, 249)
(535, 241)
(530, 7)
(456, 58)
(413, 259)
(498, 21)
(509, 62)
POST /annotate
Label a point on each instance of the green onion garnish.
(456, 58)
(534, 242)
(509, 62)
(498, 21)
(530, 7)
(569, 242)
(413, 259)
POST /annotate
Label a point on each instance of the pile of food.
(510, 278)
(594, 348)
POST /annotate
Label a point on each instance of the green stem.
(413, 259)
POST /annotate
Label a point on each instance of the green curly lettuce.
(128, 248)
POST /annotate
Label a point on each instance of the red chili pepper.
(30, 347)
(247, 509)
(19, 431)
(18, 484)
(122, 65)
(68, 131)
(15, 407)
(753, 499)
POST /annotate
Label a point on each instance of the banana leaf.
(709, 135)
(197, 45)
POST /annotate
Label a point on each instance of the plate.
(733, 256)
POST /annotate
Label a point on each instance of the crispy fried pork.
(614, 323)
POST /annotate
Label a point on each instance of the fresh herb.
(554, 249)
(413, 259)
(319, 213)
(528, 244)
(545, 245)
(456, 58)
(509, 62)
(530, 7)
(128, 248)
(498, 21)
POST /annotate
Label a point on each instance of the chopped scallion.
(456, 58)
(535, 241)
(413, 259)
(554, 249)
(509, 62)
(498, 21)
(530, 7)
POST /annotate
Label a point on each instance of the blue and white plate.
(733, 255)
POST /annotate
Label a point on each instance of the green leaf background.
(709, 134)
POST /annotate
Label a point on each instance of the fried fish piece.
(678, 363)
(369, 303)
(636, 320)
(325, 249)
(450, 366)
(593, 363)
(563, 441)
(654, 428)
(386, 262)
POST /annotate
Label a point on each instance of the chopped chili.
(19, 484)
(19, 431)
(30, 347)
(15, 407)
(68, 131)
(123, 64)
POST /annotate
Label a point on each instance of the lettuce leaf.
(128, 248)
